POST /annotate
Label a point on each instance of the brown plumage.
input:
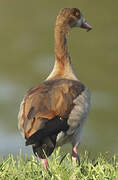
(54, 112)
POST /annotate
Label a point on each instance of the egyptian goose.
(54, 112)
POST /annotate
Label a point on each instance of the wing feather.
(46, 101)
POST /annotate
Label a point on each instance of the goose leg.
(75, 157)
(45, 163)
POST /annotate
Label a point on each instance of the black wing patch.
(44, 140)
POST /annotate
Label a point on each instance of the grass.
(99, 168)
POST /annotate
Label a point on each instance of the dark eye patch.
(76, 12)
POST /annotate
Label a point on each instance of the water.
(26, 58)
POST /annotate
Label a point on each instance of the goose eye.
(76, 13)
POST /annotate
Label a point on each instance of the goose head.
(72, 17)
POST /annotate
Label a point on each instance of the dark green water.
(26, 58)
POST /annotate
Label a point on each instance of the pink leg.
(75, 156)
(45, 163)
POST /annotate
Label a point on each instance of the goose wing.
(45, 109)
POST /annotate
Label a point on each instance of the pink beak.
(85, 25)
